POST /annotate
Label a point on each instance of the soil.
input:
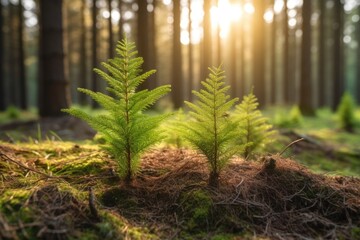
(63, 190)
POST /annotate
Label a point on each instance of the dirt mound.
(286, 201)
(170, 199)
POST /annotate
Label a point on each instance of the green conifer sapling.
(210, 131)
(128, 131)
(346, 112)
(253, 129)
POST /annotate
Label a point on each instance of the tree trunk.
(338, 74)
(152, 46)
(190, 56)
(358, 60)
(110, 29)
(273, 81)
(322, 40)
(177, 85)
(306, 95)
(2, 68)
(53, 85)
(22, 69)
(82, 73)
(13, 57)
(206, 45)
(259, 51)
(233, 61)
(94, 77)
(121, 32)
(286, 78)
(142, 39)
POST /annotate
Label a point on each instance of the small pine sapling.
(127, 130)
(209, 130)
(346, 112)
(253, 129)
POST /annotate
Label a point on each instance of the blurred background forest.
(293, 52)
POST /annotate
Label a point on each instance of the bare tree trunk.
(233, 61)
(306, 95)
(273, 81)
(259, 51)
(121, 32)
(110, 29)
(338, 69)
(190, 56)
(53, 85)
(142, 39)
(321, 64)
(83, 66)
(22, 69)
(152, 46)
(358, 60)
(286, 78)
(94, 81)
(177, 85)
(206, 45)
(13, 57)
(2, 68)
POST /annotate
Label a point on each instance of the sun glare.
(223, 15)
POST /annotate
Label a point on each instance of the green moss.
(13, 199)
(114, 227)
(197, 206)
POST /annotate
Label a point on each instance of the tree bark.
(190, 56)
(121, 32)
(322, 40)
(286, 78)
(206, 44)
(259, 52)
(2, 68)
(142, 40)
(338, 68)
(177, 84)
(306, 96)
(273, 81)
(83, 99)
(94, 77)
(110, 29)
(53, 85)
(22, 69)
(358, 60)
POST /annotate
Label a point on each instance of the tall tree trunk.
(206, 44)
(53, 85)
(110, 29)
(233, 61)
(338, 68)
(13, 57)
(177, 85)
(321, 63)
(2, 68)
(121, 19)
(152, 61)
(94, 78)
(22, 69)
(83, 66)
(273, 81)
(287, 81)
(306, 95)
(242, 78)
(259, 51)
(142, 40)
(190, 56)
(358, 60)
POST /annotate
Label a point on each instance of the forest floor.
(55, 185)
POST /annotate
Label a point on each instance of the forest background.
(292, 52)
